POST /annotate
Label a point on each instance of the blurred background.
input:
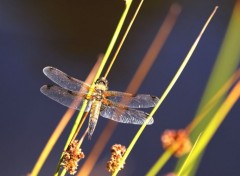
(70, 35)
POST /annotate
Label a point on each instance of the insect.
(114, 105)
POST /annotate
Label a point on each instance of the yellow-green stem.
(123, 39)
(213, 125)
(100, 69)
(227, 61)
(189, 155)
(160, 163)
(64, 171)
(170, 86)
(209, 105)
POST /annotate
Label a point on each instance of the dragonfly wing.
(131, 100)
(62, 96)
(124, 115)
(64, 80)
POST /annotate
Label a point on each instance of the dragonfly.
(114, 105)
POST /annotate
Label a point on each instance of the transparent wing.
(64, 80)
(124, 115)
(62, 96)
(131, 100)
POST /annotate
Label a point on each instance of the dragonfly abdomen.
(94, 114)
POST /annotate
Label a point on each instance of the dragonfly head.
(102, 83)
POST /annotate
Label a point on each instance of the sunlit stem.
(73, 132)
(60, 127)
(227, 61)
(80, 125)
(134, 85)
(64, 171)
(170, 86)
(210, 104)
(213, 101)
(216, 121)
(114, 38)
(82, 138)
(189, 155)
(51, 142)
(162, 160)
(123, 39)
(100, 69)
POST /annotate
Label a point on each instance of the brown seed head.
(178, 138)
(117, 152)
(71, 157)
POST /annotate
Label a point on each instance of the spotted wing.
(62, 96)
(64, 80)
(124, 115)
(131, 100)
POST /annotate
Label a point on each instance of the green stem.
(188, 157)
(170, 86)
(100, 69)
(64, 171)
(160, 163)
(227, 61)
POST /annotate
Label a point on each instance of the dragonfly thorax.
(98, 95)
(101, 84)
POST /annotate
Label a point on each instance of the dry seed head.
(179, 138)
(71, 157)
(117, 152)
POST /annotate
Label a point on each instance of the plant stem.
(64, 171)
(123, 39)
(189, 155)
(170, 86)
(99, 71)
(160, 162)
(213, 125)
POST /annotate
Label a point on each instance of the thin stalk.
(170, 86)
(82, 138)
(64, 171)
(134, 84)
(226, 63)
(114, 38)
(164, 158)
(213, 101)
(96, 151)
(80, 125)
(214, 124)
(59, 129)
(52, 141)
(123, 39)
(189, 155)
(155, 47)
(162, 161)
(99, 71)
(210, 104)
